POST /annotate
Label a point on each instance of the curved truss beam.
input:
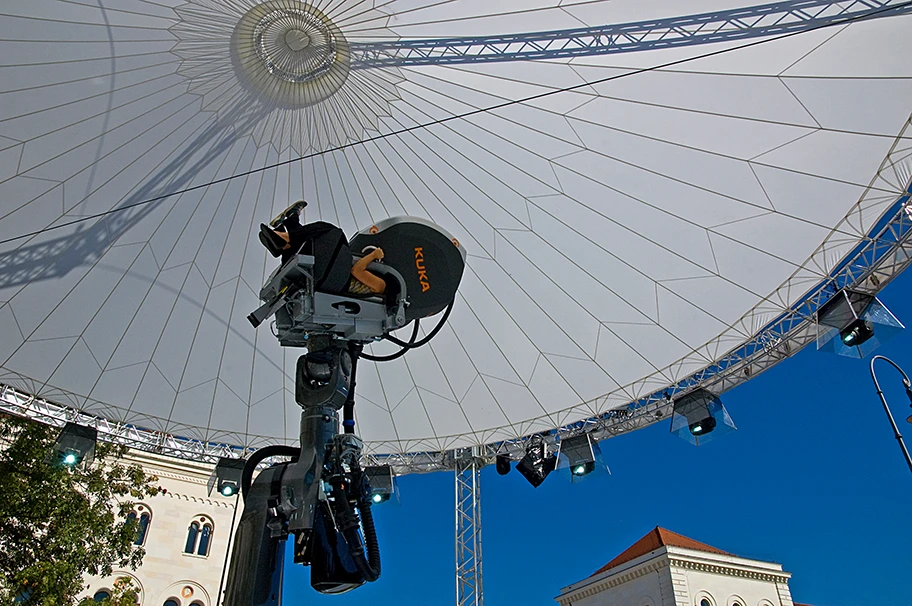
(704, 28)
(872, 264)
(882, 254)
(877, 260)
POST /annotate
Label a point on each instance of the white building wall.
(167, 572)
(673, 576)
(644, 590)
(680, 588)
(724, 590)
(728, 580)
(670, 585)
(645, 581)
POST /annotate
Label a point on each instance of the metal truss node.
(469, 588)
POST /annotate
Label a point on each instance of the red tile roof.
(654, 539)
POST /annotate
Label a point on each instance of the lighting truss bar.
(13, 401)
(705, 28)
(878, 258)
(468, 528)
(882, 255)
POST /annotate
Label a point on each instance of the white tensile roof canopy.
(641, 189)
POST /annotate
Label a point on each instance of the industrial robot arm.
(322, 497)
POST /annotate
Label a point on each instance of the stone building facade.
(186, 536)
(668, 569)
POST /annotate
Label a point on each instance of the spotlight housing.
(382, 483)
(699, 416)
(538, 461)
(502, 464)
(703, 427)
(580, 456)
(75, 445)
(854, 324)
(857, 332)
(226, 477)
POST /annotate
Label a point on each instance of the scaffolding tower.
(469, 591)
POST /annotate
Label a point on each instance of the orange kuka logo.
(422, 270)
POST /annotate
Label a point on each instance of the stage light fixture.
(857, 332)
(502, 464)
(699, 416)
(226, 477)
(75, 445)
(580, 455)
(382, 483)
(538, 461)
(854, 323)
(702, 427)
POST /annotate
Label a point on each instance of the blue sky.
(812, 479)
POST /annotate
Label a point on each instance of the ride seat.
(332, 261)
(395, 283)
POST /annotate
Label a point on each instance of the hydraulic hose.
(412, 344)
(348, 409)
(399, 353)
(370, 540)
(260, 455)
(347, 521)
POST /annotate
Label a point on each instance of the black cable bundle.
(410, 344)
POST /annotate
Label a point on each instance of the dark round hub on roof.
(296, 44)
(297, 40)
(290, 53)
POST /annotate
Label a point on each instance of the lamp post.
(908, 385)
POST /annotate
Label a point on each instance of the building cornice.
(169, 467)
(186, 472)
(731, 571)
(680, 558)
(182, 477)
(648, 567)
(200, 500)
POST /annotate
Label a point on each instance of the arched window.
(205, 536)
(171, 602)
(192, 533)
(199, 536)
(101, 595)
(144, 520)
(705, 602)
(145, 516)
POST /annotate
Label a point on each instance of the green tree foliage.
(59, 524)
(122, 594)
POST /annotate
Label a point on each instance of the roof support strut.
(469, 591)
